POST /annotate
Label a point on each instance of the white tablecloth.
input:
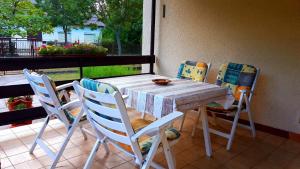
(179, 95)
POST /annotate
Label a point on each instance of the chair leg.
(41, 132)
(63, 146)
(83, 132)
(196, 122)
(168, 153)
(182, 121)
(151, 153)
(252, 126)
(89, 161)
(233, 129)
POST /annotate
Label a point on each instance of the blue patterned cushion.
(236, 77)
(97, 86)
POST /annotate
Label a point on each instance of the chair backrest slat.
(113, 135)
(46, 100)
(44, 90)
(40, 88)
(100, 97)
(107, 111)
(108, 123)
(49, 108)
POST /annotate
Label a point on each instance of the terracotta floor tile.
(15, 150)
(64, 165)
(32, 164)
(265, 151)
(295, 163)
(267, 165)
(38, 152)
(20, 158)
(5, 163)
(21, 129)
(25, 133)
(281, 158)
(72, 152)
(124, 156)
(47, 161)
(6, 132)
(291, 146)
(7, 138)
(206, 163)
(126, 165)
(274, 140)
(2, 154)
(55, 140)
(240, 162)
(78, 161)
(111, 160)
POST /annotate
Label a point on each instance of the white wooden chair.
(107, 113)
(202, 75)
(50, 97)
(241, 105)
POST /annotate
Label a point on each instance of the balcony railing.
(18, 47)
(11, 64)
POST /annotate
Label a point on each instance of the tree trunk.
(65, 29)
(118, 39)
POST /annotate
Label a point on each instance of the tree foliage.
(68, 13)
(123, 20)
(21, 17)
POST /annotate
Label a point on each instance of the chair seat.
(218, 108)
(72, 114)
(145, 142)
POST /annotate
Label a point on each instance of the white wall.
(262, 33)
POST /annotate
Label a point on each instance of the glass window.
(89, 38)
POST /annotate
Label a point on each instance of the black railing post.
(152, 42)
(81, 72)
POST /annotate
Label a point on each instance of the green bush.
(81, 49)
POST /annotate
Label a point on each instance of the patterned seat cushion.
(145, 142)
(137, 124)
(218, 108)
(235, 77)
(192, 70)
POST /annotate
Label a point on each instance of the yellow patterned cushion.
(192, 70)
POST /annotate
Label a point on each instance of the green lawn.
(92, 72)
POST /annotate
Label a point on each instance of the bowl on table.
(162, 82)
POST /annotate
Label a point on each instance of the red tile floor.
(264, 152)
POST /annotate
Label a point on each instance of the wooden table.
(180, 95)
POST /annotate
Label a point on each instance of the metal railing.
(19, 47)
(12, 64)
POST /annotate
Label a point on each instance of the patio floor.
(264, 152)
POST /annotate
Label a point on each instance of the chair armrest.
(64, 86)
(158, 124)
(70, 104)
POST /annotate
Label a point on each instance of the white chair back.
(107, 114)
(47, 96)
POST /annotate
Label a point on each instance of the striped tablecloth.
(179, 95)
